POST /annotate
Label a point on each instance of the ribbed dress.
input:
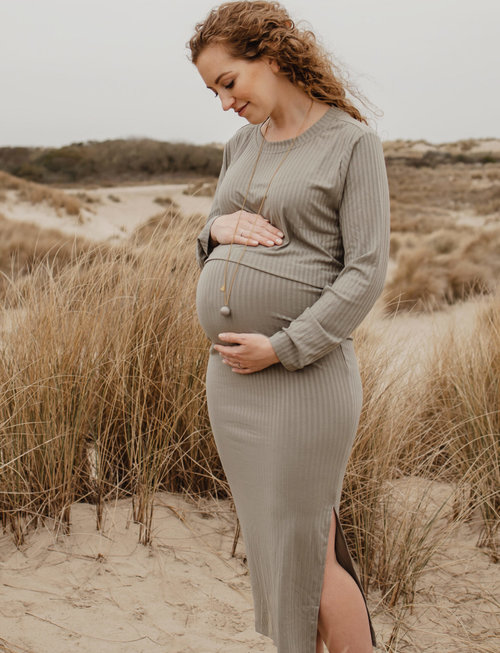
(284, 434)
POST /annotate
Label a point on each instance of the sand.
(102, 591)
(91, 591)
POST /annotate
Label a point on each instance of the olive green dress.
(284, 434)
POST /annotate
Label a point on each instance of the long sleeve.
(203, 246)
(364, 217)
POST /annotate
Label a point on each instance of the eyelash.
(230, 85)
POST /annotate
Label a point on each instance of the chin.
(255, 120)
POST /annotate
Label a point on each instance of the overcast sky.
(78, 70)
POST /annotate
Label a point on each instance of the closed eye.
(228, 86)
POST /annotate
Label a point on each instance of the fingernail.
(278, 240)
(280, 234)
(270, 242)
(222, 336)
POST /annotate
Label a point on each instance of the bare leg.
(319, 643)
(343, 619)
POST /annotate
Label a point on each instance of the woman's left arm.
(364, 215)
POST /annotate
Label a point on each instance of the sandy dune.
(107, 219)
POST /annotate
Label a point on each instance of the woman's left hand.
(253, 353)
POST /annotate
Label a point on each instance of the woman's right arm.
(205, 242)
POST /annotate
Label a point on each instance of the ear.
(273, 64)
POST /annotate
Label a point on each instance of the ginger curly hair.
(255, 28)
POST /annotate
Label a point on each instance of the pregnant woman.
(293, 256)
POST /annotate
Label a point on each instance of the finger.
(272, 229)
(245, 238)
(258, 221)
(263, 228)
(265, 236)
(230, 337)
(241, 370)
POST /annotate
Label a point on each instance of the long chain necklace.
(225, 310)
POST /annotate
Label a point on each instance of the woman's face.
(250, 88)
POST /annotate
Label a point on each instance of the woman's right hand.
(247, 233)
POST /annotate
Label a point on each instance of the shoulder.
(342, 125)
(356, 143)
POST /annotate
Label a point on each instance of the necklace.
(225, 310)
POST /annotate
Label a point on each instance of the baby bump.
(260, 302)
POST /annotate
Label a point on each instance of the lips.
(242, 109)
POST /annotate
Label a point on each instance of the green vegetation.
(110, 161)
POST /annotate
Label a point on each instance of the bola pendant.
(225, 310)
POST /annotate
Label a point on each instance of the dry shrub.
(88, 199)
(166, 201)
(36, 193)
(417, 283)
(444, 241)
(493, 175)
(447, 267)
(401, 241)
(489, 201)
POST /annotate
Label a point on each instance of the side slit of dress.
(344, 559)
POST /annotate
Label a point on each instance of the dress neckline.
(279, 146)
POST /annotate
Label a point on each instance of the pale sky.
(79, 70)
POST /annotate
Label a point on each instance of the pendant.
(225, 310)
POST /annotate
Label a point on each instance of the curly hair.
(255, 28)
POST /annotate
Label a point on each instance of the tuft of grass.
(166, 201)
(201, 188)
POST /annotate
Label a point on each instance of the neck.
(289, 114)
(294, 113)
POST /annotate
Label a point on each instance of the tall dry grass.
(462, 416)
(102, 385)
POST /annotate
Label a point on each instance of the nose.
(227, 101)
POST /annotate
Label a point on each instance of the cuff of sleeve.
(285, 350)
(203, 246)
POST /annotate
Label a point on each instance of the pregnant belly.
(260, 302)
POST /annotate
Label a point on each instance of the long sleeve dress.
(284, 434)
